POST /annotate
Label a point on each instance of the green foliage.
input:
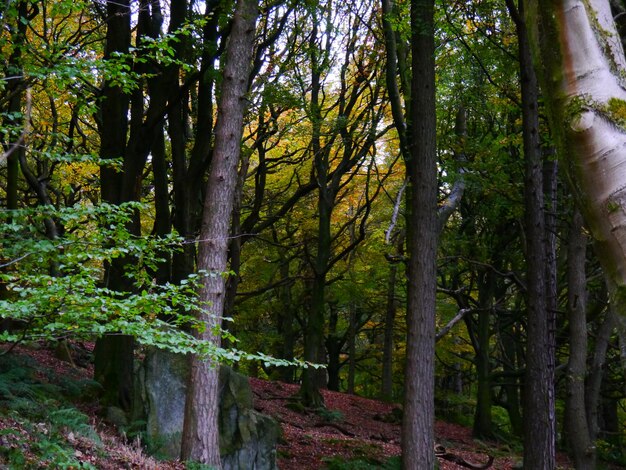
(56, 287)
(610, 452)
(198, 466)
(455, 408)
(332, 416)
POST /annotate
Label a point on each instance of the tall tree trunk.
(113, 354)
(188, 172)
(333, 350)
(313, 379)
(539, 399)
(285, 313)
(593, 386)
(422, 224)
(510, 340)
(353, 328)
(200, 430)
(578, 431)
(15, 89)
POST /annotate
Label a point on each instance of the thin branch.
(396, 211)
(457, 318)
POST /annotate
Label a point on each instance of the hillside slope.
(49, 418)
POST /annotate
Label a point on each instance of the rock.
(116, 416)
(164, 389)
(247, 438)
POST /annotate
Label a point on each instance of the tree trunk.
(114, 353)
(483, 424)
(578, 432)
(539, 399)
(390, 315)
(422, 225)
(353, 328)
(189, 172)
(333, 350)
(15, 89)
(510, 340)
(593, 386)
(285, 317)
(581, 62)
(200, 430)
(314, 379)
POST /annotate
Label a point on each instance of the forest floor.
(38, 431)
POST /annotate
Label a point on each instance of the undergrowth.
(39, 426)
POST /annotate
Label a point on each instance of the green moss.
(616, 110)
(612, 207)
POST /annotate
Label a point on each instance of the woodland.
(415, 201)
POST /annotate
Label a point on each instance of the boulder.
(247, 438)
(162, 386)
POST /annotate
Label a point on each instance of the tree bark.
(539, 398)
(422, 225)
(200, 430)
(314, 379)
(593, 385)
(390, 315)
(581, 63)
(578, 431)
(483, 423)
(15, 90)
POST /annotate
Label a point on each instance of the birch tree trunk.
(581, 66)
(200, 440)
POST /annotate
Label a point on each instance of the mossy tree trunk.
(581, 65)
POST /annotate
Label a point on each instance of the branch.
(453, 199)
(396, 211)
(442, 453)
(457, 318)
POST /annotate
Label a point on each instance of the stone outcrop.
(247, 437)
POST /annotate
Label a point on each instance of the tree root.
(442, 453)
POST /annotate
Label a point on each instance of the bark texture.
(422, 223)
(539, 398)
(200, 431)
(578, 431)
